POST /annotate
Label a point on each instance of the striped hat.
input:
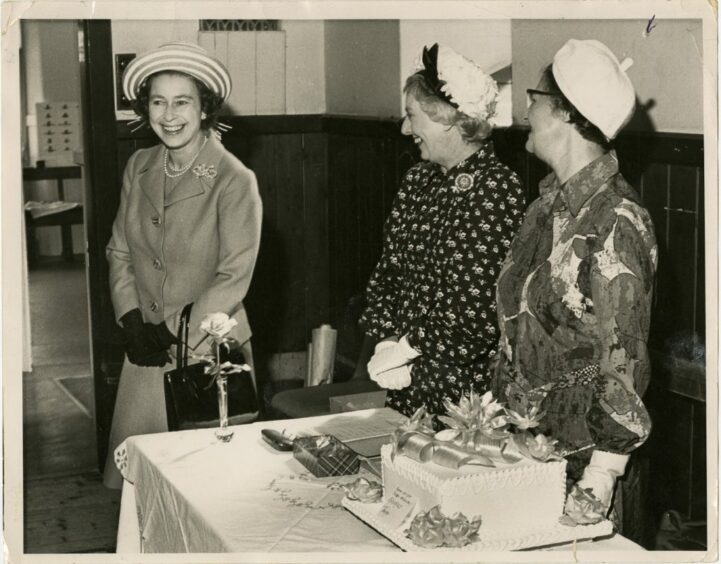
(181, 57)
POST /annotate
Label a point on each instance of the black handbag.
(191, 395)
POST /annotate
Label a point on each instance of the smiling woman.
(430, 297)
(187, 231)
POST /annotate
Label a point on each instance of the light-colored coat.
(197, 244)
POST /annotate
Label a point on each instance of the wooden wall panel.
(265, 302)
(364, 178)
(342, 223)
(315, 229)
(682, 247)
(655, 197)
(288, 159)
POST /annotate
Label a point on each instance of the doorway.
(66, 507)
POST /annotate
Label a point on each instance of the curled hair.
(562, 104)
(210, 102)
(473, 130)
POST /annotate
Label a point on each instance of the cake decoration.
(432, 529)
(492, 463)
(364, 490)
(480, 431)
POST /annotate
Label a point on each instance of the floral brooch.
(463, 183)
(205, 171)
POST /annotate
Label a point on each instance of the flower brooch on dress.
(205, 171)
(463, 183)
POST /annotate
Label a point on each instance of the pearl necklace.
(177, 172)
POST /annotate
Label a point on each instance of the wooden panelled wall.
(327, 185)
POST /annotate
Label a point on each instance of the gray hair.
(474, 131)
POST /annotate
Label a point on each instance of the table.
(64, 219)
(187, 492)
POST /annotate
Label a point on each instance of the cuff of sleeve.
(614, 463)
(132, 321)
(384, 345)
(409, 352)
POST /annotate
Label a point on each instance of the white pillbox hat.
(594, 81)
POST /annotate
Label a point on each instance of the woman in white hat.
(574, 295)
(187, 230)
(430, 298)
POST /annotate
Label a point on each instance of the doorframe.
(12, 210)
(101, 193)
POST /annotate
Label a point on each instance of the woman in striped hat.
(187, 230)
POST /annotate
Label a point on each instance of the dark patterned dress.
(445, 240)
(574, 301)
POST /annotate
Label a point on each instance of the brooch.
(206, 171)
(464, 182)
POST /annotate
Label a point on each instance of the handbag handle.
(183, 330)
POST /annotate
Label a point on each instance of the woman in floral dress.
(431, 297)
(574, 295)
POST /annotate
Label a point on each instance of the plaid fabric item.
(324, 455)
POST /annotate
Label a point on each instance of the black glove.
(138, 358)
(132, 324)
(139, 349)
(158, 337)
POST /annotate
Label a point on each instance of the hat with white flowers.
(459, 81)
(596, 83)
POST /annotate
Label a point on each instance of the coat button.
(154, 307)
(157, 265)
(156, 220)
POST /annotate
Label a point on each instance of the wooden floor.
(66, 507)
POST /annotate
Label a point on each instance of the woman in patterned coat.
(187, 231)
(431, 296)
(574, 295)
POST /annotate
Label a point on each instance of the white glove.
(600, 476)
(395, 378)
(390, 355)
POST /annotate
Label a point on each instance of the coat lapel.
(193, 184)
(150, 178)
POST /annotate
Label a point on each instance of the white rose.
(217, 324)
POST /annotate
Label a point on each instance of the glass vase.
(223, 433)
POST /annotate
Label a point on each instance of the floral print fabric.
(574, 301)
(445, 240)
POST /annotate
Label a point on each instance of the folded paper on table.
(355, 402)
(369, 447)
(42, 209)
(321, 356)
(369, 423)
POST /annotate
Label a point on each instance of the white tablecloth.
(187, 492)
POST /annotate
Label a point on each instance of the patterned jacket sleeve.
(379, 317)
(462, 325)
(621, 283)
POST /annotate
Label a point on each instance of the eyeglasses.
(531, 92)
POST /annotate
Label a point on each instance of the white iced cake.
(510, 499)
